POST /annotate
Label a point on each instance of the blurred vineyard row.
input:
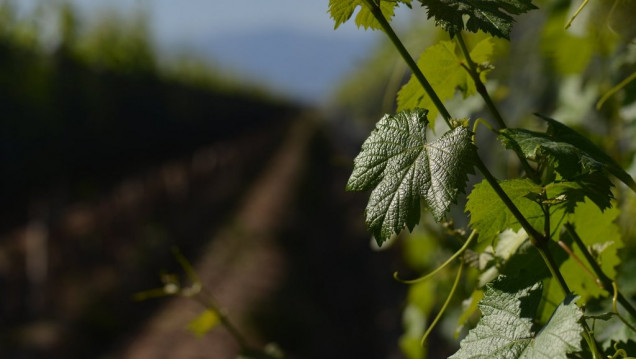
(108, 155)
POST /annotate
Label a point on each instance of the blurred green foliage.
(547, 69)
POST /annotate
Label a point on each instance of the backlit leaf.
(342, 10)
(594, 228)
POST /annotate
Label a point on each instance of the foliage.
(442, 65)
(553, 222)
(402, 167)
(506, 329)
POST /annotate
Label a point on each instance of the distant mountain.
(304, 65)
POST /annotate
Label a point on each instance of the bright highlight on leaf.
(205, 322)
(506, 329)
(403, 169)
(441, 64)
(491, 16)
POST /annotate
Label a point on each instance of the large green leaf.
(442, 66)
(491, 16)
(506, 329)
(342, 10)
(402, 169)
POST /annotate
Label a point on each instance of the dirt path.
(240, 266)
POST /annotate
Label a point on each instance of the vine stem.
(554, 270)
(535, 236)
(483, 92)
(472, 236)
(479, 85)
(605, 280)
(388, 30)
(207, 300)
(448, 299)
(538, 240)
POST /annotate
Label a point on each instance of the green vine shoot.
(543, 207)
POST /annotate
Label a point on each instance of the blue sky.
(221, 31)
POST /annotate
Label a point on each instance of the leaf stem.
(388, 30)
(605, 280)
(438, 269)
(578, 261)
(576, 14)
(614, 298)
(483, 92)
(443, 309)
(553, 267)
(614, 90)
(481, 88)
(207, 300)
(535, 236)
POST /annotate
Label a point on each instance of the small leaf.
(402, 168)
(491, 16)
(342, 10)
(506, 329)
(204, 323)
(442, 67)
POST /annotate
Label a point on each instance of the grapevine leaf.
(442, 66)
(594, 228)
(567, 159)
(401, 167)
(572, 154)
(506, 328)
(491, 16)
(342, 10)
(490, 216)
(565, 134)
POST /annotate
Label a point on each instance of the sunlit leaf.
(402, 169)
(342, 10)
(506, 329)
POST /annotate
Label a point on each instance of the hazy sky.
(222, 29)
(190, 19)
